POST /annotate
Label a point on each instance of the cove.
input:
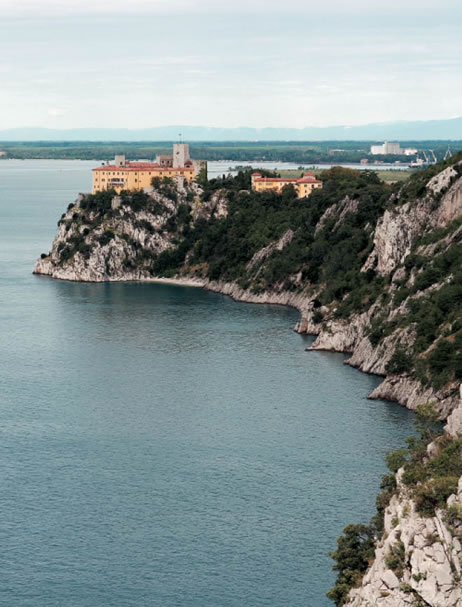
(164, 445)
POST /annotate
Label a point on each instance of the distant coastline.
(419, 130)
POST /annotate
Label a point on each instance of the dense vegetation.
(330, 238)
(329, 256)
(298, 152)
(226, 245)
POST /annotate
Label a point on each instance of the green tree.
(396, 459)
(355, 547)
(400, 362)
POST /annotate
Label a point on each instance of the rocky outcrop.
(263, 254)
(418, 559)
(123, 240)
(112, 261)
(400, 226)
(217, 205)
(395, 234)
(410, 393)
(426, 569)
(454, 422)
(338, 212)
(451, 204)
(118, 244)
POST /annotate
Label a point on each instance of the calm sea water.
(165, 446)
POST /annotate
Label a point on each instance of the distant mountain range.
(386, 131)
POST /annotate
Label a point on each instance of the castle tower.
(180, 154)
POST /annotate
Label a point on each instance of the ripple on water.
(164, 445)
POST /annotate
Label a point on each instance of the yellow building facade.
(303, 185)
(134, 175)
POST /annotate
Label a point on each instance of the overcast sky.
(293, 63)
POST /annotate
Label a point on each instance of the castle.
(124, 175)
(303, 185)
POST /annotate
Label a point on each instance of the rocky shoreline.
(434, 567)
(341, 337)
(345, 338)
(117, 240)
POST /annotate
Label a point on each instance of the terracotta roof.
(286, 179)
(308, 180)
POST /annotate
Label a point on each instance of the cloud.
(28, 8)
(211, 61)
(55, 112)
(135, 7)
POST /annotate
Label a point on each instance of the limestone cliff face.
(118, 243)
(430, 551)
(121, 240)
(428, 567)
(351, 337)
(399, 227)
(395, 234)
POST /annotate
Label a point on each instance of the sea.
(166, 446)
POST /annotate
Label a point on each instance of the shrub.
(396, 459)
(105, 238)
(395, 558)
(433, 493)
(317, 317)
(354, 549)
(400, 362)
(453, 515)
(440, 362)
(99, 202)
(448, 461)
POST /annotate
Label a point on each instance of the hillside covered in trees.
(335, 251)
(375, 271)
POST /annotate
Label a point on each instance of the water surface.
(165, 446)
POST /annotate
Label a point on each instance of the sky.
(228, 63)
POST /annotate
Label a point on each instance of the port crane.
(419, 163)
(448, 154)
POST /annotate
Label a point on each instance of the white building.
(387, 148)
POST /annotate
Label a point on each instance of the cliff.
(418, 557)
(104, 237)
(375, 272)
